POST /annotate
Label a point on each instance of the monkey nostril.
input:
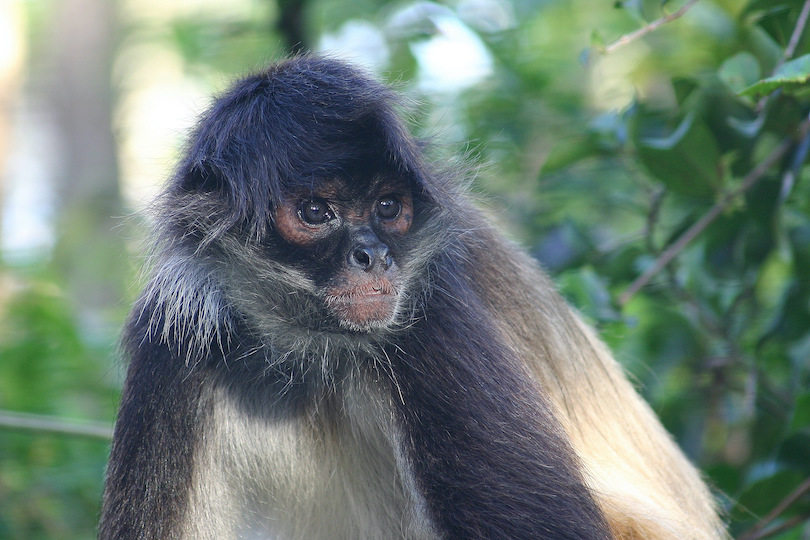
(363, 257)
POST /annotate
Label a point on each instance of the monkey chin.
(366, 307)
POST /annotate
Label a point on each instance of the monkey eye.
(388, 207)
(315, 212)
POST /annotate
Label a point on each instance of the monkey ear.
(201, 177)
(238, 200)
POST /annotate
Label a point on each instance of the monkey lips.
(363, 303)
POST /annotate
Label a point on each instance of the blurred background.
(651, 154)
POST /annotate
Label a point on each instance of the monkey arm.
(642, 481)
(151, 468)
(488, 455)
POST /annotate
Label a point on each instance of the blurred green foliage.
(50, 485)
(596, 157)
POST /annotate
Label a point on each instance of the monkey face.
(349, 242)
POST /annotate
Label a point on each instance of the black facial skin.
(348, 243)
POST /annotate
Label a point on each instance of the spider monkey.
(336, 343)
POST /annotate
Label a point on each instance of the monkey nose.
(367, 258)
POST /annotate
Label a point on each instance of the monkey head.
(307, 210)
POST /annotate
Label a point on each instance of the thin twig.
(801, 22)
(653, 26)
(52, 424)
(656, 202)
(782, 527)
(783, 505)
(686, 238)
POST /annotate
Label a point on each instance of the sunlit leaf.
(740, 71)
(790, 77)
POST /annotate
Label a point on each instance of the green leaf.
(740, 71)
(801, 415)
(687, 160)
(794, 450)
(568, 151)
(597, 40)
(791, 77)
(589, 291)
(761, 496)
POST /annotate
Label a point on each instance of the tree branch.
(797, 33)
(783, 505)
(686, 238)
(51, 424)
(653, 26)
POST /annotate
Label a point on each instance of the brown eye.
(315, 212)
(388, 207)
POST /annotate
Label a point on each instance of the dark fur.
(488, 454)
(231, 311)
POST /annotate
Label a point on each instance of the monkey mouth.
(365, 306)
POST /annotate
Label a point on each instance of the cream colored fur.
(333, 475)
(643, 482)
